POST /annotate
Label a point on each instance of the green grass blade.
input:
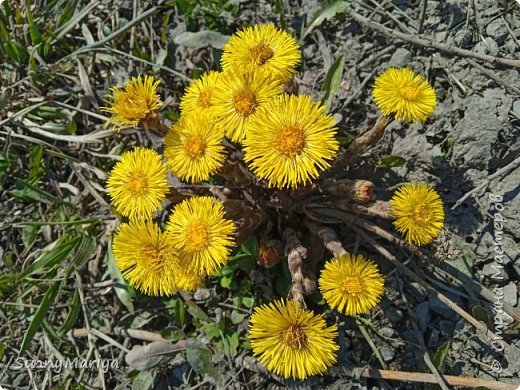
(332, 80)
(50, 259)
(69, 25)
(327, 13)
(75, 305)
(27, 190)
(122, 293)
(47, 301)
(36, 36)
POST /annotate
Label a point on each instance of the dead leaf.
(143, 357)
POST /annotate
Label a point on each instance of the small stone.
(201, 294)
(419, 292)
(487, 46)
(494, 271)
(309, 51)
(511, 294)
(445, 327)
(435, 337)
(401, 58)
(394, 315)
(442, 309)
(463, 38)
(422, 313)
(516, 108)
(387, 353)
(411, 335)
(498, 30)
(387, 332)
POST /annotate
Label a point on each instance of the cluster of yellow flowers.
(294, 342)
(287, 140)
(197, 240)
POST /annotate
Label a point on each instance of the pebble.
(516, 108)
(489, 271)
(497, 29)
(435, 337)
(420, 293)
(422, 313)
(488, 46)
(309, 51)
(201, 294)
(393, 314)
(445, 327)
(442, 309)
(387, 353)
(401, 58)
(511, 294)
(463, 38)
(387, 332)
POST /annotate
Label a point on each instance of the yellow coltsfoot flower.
(238, 96)
(291, 341)
(147, 257)
(203, 237)
(136, 104)
(419, 213)
(351, 285)
(193, 148)
(137, 184)
(404, 94)
(199, 96)
(263, 46)
(290, 141)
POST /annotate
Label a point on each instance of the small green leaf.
(237, 317)
(440, 356)
(144, 380)
(47, 301)
(248, 302)
(196, 311)
(213, 329)
(226, 281)
(250, 246)
(391, 161)
(199, 357)
(481, 314)
(74, 306)
(332, 80)
(248, 264)
(29, 234)
(326, 13)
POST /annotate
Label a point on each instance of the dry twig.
(430, 378)
(430, 43)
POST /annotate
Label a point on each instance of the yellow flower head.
(351, 285)
(291, 341)
(193, 148)
(238, 96)
(199, 96)
(202, 234)
(290, 140)
(419, 213)
(263, 46)
(137, 184)
(147, 257)
(404, 94)
(135, 104)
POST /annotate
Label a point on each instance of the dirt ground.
(469, 150)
